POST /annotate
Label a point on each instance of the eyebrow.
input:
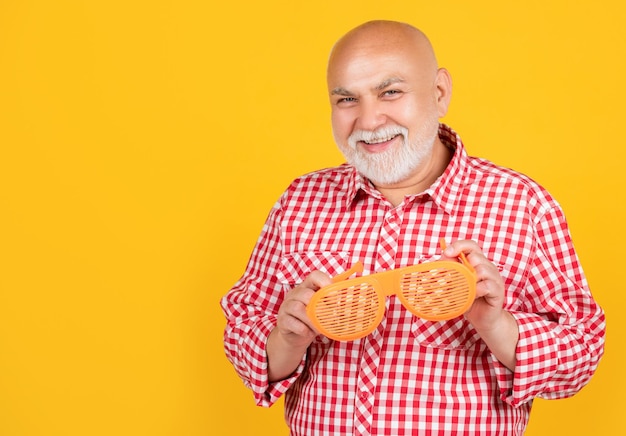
(390, 81)
(341, 91)
(382, 85)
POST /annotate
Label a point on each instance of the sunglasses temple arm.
(355, 268)
(466, 263)
(462, 256)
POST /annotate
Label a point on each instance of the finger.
(292, 316)
(303, 292)
(491, 290)
(297, 326)
(317, 280)
(462, 246)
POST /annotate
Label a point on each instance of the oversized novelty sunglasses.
(350, 309)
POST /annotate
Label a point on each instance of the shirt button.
(364, 395)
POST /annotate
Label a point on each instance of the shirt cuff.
(536, 361)
(254, 352)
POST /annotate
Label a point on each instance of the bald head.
(380, 37)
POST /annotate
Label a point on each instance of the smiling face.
(386, 100)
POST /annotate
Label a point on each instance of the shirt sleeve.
(251, 308)
(561, 327)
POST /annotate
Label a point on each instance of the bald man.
(533, 329)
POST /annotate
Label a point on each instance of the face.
(385, 110)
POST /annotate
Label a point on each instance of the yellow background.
(142, 144)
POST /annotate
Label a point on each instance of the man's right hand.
(294, 332)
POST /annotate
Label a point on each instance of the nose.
(370, 115)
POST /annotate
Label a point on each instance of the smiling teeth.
(379, 140)
(378, 136)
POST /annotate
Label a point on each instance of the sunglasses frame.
(374, 289)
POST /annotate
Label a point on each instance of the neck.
(423, 177)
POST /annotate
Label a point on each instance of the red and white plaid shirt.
(412, 376)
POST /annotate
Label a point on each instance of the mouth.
(377, 145)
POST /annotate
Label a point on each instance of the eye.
(346, 101)
(391, 93)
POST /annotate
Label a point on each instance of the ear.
(443, 89)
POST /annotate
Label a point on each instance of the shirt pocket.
(453, 334)
(294, 267)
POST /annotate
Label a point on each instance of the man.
(533, 329)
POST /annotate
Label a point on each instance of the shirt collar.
(445, 191)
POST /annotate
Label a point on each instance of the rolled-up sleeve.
(251, 308)
(561, 327)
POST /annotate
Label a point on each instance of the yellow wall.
(143, 142)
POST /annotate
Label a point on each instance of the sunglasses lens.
(347, 312)
(438, 294)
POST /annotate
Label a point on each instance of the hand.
(487, 309)
(497, 327)
(293, 323)
(294, 332)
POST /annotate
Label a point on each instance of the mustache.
(379, 135)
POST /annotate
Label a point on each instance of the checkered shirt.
(411, 376)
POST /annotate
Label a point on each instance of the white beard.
(396, 164)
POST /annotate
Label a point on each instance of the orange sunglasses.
(350, 309)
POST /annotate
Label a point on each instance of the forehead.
(370, 67)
